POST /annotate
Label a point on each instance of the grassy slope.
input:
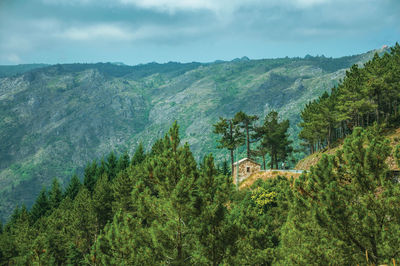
(264, 175)
(312, 160)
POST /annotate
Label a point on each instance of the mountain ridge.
(54, 119)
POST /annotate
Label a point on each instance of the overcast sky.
(141, 31)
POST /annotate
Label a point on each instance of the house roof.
(246, 159)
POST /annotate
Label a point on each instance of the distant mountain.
(11, 70)
(55, 119)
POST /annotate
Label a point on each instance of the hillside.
(312, 160)
(265, 175)
(54, 119)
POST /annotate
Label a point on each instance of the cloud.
(96, 32)
(11, 58)
(219, 6)
(38, 26)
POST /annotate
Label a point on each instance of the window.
(248, 169)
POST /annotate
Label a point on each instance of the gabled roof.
(246, 159)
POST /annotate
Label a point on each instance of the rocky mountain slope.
(55, 119)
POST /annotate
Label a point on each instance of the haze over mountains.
(55, 119)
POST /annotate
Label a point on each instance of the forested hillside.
(367, 95)
(161, 207)
(57, 119)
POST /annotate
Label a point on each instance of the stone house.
(246, 168)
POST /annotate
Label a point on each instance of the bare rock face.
(56, 119)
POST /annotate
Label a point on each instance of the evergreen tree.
(275, 139)
(138, 156)
(351, 201)
(73, 187)
(123, 162)
(231, 136)
(123, 242)
(102, 201)
(211, 228)
(166, 206)
(246, 122)
(122, 187)
(257, 215)
(225, 168)
(74, 256)
(90, 176)
(21, 234)
(55, 194)
(84, 224)
(41, 206)
(101, 169)
(111, 166)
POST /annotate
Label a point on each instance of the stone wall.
(246, 168)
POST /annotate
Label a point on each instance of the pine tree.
(111, 166)
(84, 224)
(101, 169)
(102, 201)
(123, 162)
(90, 176)
(231, 136)
(41, 207)
(351, 198)
(122, 187)
(168, 211)
(21, 233)
(74, 256)
(73, 187)
(275, 139)
(138, 156)
(212, 231)
(55, 194)
(123, 242)
(225, 168)
(246, 122)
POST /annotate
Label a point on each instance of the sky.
(142, 31)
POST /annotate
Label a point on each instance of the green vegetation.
(367, 95)
(56, 119)
(271, 135)
(166, 209)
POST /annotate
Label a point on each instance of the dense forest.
(366, 95)
(162, 207)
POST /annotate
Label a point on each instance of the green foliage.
(167, 209)
(115, 106)
(213, 232)
(90, 176)
(102, 200)
(138, 156)
(350, 204)
(366, 95)
(231, 137)
(111, 166)
(274, 139)
(246, 123)
(55, 194)
(263, 198)
(41, 207)
(73, 187)
(123, 162)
